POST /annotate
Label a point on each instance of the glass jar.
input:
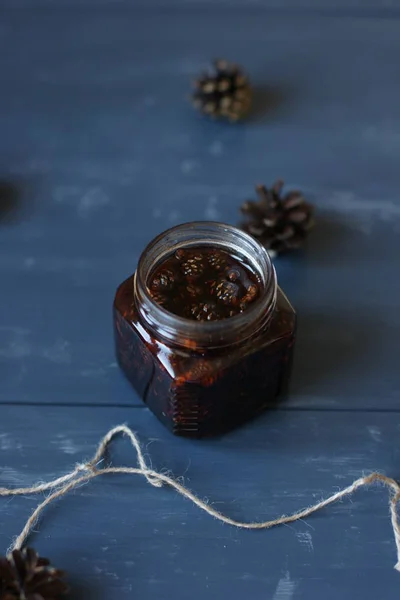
(202, 378)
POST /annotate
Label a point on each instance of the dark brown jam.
(204, 284)
(230, 356)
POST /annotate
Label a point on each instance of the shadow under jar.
(202, 377)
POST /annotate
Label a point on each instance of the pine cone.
(26, 576)
(224, 92)
(280, 223)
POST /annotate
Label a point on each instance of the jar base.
(211, 393)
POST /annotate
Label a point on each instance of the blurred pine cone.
(224, 92)
(26, 576)
(280, 223)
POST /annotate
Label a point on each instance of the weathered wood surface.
(121, 538)
(99, 151)
(340, 7)
(102, 152)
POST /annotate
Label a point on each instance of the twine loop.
(84, 472)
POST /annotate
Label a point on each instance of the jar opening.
(205, 334)
(204, 283)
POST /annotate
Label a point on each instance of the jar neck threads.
(194, 335)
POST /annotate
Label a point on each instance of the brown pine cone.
(280, 223)
(26, 576)
(224, 92)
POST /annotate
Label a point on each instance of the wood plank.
(103, 152)
(292, 6)
(118, 536)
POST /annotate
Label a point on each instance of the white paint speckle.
(248, 576)
(29, 262)
(187, 166)
(216, 148)
(9, 475)
(149, 101)
(285, 588)
(340, 475)
(68, 446)
(5, 442)
(129, 564)
(349, 203)
(174, 217)
(94, 372)
(93, 199)
(375, 433)
(211, 213)
(14, 342)
(305, 538)
(8, 443)
(59, 352)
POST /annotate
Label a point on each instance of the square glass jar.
(203, 378)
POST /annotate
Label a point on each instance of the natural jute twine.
(84, 472)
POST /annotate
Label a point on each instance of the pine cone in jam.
(224, 92)
(280, 222)
(26, 576)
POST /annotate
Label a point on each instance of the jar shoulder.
(179, 362)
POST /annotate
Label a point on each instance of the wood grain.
(104, 152)
(373, 7)
(99, 152)
(119, 536)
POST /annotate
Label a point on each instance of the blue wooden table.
(99, 151)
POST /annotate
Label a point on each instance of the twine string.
(90, 469)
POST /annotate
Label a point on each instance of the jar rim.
(205, 334)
